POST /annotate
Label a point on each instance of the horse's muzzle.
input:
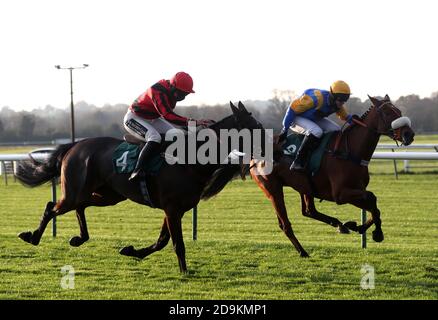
(408, 137)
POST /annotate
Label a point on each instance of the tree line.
(50, 123)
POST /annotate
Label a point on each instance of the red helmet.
(182, 81)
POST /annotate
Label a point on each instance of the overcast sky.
(234, 49)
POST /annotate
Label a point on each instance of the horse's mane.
(364, 115)
(166, 143)
(224, 174)
(221, 176)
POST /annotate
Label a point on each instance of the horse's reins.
(394, 134)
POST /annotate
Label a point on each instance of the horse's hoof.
(304, 254)
(343, 229)
(26, 236)
(76, 241)
(378, 236)
(127, 251)
(352, 225)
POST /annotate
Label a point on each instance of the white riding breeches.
(305, 126)
(146, 129)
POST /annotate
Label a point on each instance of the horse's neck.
(362, 142)
(207, 170)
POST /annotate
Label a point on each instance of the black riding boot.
(145, 154)
(309, 144)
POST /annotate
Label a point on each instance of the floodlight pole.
(72, 116)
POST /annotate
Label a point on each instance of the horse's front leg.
(162, 241)
(175, 229)
(308, 209)
(365, 200)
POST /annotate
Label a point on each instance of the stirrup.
(297, 167)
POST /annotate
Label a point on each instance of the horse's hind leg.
(162, 241)
(308, 210)
(73, 179)
(101, 198)
(83, 237)
(277, 200)
(274, 191)
(52, 210)
(35, 236)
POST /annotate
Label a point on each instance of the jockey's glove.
(283, 135)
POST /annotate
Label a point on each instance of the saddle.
(129, 138)
(293, 143)
(126, 154)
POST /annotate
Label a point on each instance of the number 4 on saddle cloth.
(125, 157)
(293, 143)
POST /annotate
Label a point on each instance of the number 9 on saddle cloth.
(293, 143)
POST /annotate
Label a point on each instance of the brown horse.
(89, 179)
(343, 175)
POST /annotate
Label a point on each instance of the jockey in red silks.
(308, 114)
(151, 114)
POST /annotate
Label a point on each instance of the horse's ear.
(374, 101)
(242, 107)
(387, 98)
(234, 109)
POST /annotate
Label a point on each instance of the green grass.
(240, 252)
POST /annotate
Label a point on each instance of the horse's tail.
(33, 173)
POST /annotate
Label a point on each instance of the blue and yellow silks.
(314, 104)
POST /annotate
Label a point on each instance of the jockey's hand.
(205, 123)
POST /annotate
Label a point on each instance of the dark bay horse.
(343, 175)
(88, 179)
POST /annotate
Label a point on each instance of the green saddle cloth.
(125, 157)
(293, 143)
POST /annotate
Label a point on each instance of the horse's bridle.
(393, 133)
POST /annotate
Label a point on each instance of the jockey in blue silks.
(308, 114)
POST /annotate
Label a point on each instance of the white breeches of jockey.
(305, 126)
(146, 129)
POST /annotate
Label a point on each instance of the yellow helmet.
(341, 87)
